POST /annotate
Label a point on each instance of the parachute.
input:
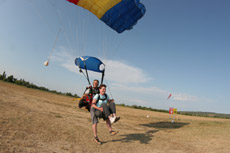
(120, 15)
(92, 64)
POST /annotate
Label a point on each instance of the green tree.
(3, 77)
(10, 79)
(75, 95)
(69, 94)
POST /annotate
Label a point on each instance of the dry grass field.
(33, 121)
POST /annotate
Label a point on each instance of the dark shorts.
(108, 109)
(93, 115)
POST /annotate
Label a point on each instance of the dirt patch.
(37, 121)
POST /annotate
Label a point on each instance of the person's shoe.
(117, 118)
(113, 132)
(112, 119)
(97, 140)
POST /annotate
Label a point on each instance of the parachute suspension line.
(66, 35)
(71, 37)
(86, 73)
(77, 34)
(73, 25)
(52, 51)
(108, 42)
(115, 51)
(45, 21)
(81, 80)
(80, 70)
(68, 24)
(81, 34)
(61, 23)
(104, 48)
(85, 32)
(107, 47)
(109, 89)
(111, 45)
(74, 34)
(148, 2)
(112, 41)
(102, 77)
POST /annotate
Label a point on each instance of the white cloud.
(116, 71)
(120, 72)
(137, 101)
(126, 79)
(184, 97)
(154, 93)
(64, 59)
(70, 67)
(140, 90)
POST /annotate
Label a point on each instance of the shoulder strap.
(99, 98)
(90, 91)
(106, 96)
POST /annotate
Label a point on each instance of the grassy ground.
(37, 121)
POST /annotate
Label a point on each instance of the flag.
(171, 110)
(169, 95)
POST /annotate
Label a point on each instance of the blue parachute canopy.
(90, 63)
(120, 15)
(124, 15)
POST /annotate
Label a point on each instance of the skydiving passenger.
(103, 107)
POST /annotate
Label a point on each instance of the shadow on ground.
(143, 138)
(165, 125)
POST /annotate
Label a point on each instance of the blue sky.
(179, 47)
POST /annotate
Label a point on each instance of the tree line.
(201, 114)
(27, 84)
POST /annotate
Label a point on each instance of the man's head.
(95, 83)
